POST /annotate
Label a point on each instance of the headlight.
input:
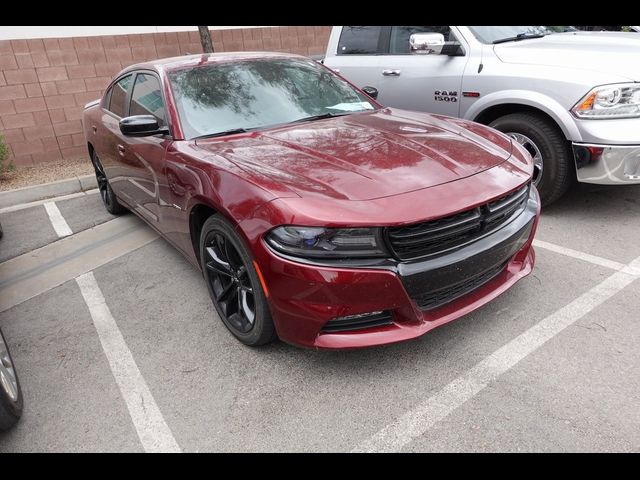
(610, 101)
(318, 242)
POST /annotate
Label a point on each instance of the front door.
(145, 156)
(427, 83)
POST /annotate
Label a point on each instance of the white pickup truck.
(572, 99)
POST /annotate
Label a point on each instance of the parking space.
(597, 220)
(27, 229)
(24, 231)
(550, 365)
(577, 393)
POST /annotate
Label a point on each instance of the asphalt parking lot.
(118, 348)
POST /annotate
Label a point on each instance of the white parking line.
(57, 220)
(603, 262)
(417, 421)
(22, 206)
(154, 433)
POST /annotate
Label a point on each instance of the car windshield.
(237, 96)
(507, 33)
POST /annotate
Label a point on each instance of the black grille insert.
(358, 322)
(435, 299)
(442, 235)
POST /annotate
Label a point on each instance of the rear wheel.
(233, 283)
(11, 402)
(106, 192)
(548, 147)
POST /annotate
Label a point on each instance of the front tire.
(233, 283)
(11, 400)
(549, 148)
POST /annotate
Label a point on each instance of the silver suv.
(572, 99)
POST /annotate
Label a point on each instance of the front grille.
(435, 299)
(358, 322)
(445, 234)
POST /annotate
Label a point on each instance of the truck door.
(356, 56)
(429, 83)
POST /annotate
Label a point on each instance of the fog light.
(586, 155)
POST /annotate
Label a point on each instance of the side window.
(399, 41)
(147, 98)
(119, 95)
(359, 40)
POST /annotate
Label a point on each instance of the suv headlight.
(610, 101)
(319, 242)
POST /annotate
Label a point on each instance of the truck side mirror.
(426, 43)
(433, 44)
(371, 91)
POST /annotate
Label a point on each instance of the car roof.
(185, 61)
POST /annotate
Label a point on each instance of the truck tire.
(540, 136)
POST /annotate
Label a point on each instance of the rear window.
(359, 40)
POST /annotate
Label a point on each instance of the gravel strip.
(45, 173)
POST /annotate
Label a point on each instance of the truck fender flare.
(539, 101)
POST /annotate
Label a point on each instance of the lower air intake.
(358, 322)
(431, 300)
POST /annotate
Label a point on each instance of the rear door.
(357, 54)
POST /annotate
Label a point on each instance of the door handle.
(94, 128)
(121, 149)
(391, 73)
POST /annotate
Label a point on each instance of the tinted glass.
(399, 42)
(359, 40)
(146, 98)
(119, 95)
(258, 93)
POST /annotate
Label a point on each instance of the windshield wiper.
(222, 134)
(520, 36)
(321, 117)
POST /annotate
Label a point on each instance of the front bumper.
(304, 298)
(607, 164)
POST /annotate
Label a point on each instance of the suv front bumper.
(607, 164)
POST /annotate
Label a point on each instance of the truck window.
(359, 40)
(399, 41)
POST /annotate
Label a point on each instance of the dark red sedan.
(315, 214)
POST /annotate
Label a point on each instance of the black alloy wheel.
(233, 284)
(106, 192)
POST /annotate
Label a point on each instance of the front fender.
(529, 98)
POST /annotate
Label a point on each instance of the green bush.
(5, 165)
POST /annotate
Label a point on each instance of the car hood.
(614, 53)
(363, 156)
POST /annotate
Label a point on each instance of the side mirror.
(141, 126)
(371, 91)
(426, 43)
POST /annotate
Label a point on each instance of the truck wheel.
(551, 154)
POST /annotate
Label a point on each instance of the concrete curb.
(47, 190)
